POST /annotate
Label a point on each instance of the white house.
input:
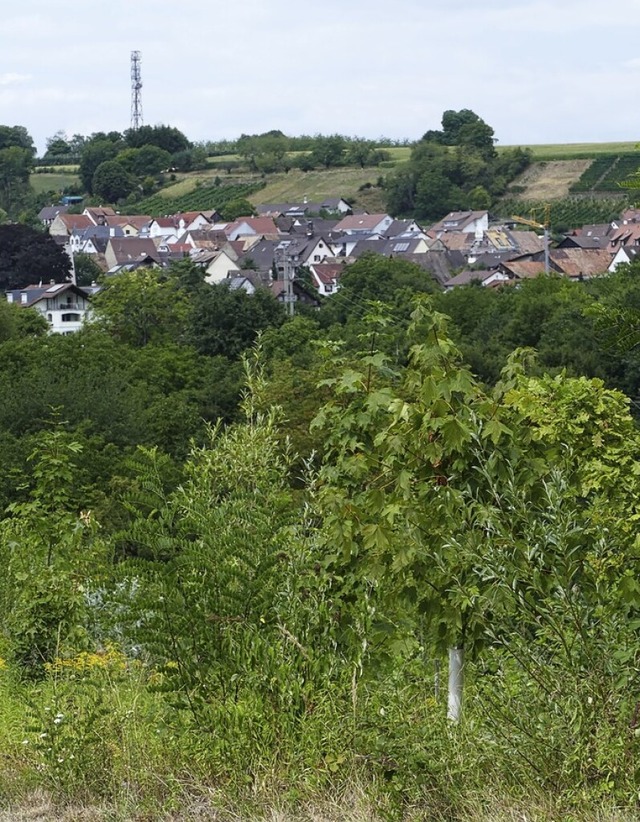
(326, 277)
(318, 251)
(466, 222)
(365, 224)
(625, 254)
(63, 305)
(221, 267)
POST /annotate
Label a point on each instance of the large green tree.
(142, 307)
(16, 137)
(477, 519)
(226, 322)
(95, 152)
(168, 138)
(28, 256)
(456, 168)
(145, 161)
(328, 151)
(16, 164)
(112, 182)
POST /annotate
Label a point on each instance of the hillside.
(316, 185)
(557, 172)
(549, 180)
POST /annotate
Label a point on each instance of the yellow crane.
(544, 227)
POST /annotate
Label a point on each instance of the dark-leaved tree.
(169, 138)
(28, 256)
(112, 181)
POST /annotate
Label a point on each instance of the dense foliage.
(453, 169)
(29, 257)
(181, 584)
(237, 547)
(141, 158)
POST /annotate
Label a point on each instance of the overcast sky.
(537, 71)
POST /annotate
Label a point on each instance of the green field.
(575, 151)
(56, 181)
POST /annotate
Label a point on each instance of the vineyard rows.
(566, 214)
(204, 198)
(607, 172)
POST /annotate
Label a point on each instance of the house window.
(316, 258)
(71, 318)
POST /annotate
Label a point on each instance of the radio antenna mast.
(136, 90)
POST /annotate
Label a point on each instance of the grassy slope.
(281, 187)
(316, 185)
(53, 182)
(565, 163)
(571, 151)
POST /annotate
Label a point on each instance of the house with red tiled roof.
(164, 227)
(326, 277)
(98, 214)
(204, 239)
(580, 263)
(63, 225)
(521, 269)
(252, 227)
(132, 225)
(193, 220)
(123, 250)
(627, 234)
(454, 241)
(177, 224)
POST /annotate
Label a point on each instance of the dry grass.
(39, 807)
(354, 805)
(315, 185)
(550, 180)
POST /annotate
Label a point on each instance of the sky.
(536, 71)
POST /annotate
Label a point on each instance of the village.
(270, 250)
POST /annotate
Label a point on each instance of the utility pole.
(285, 263)
(136, 90)
(74, 279)
(545, 227)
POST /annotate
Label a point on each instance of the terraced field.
(550, 180)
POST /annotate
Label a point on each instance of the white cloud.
(11, 78)
(535, 70)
